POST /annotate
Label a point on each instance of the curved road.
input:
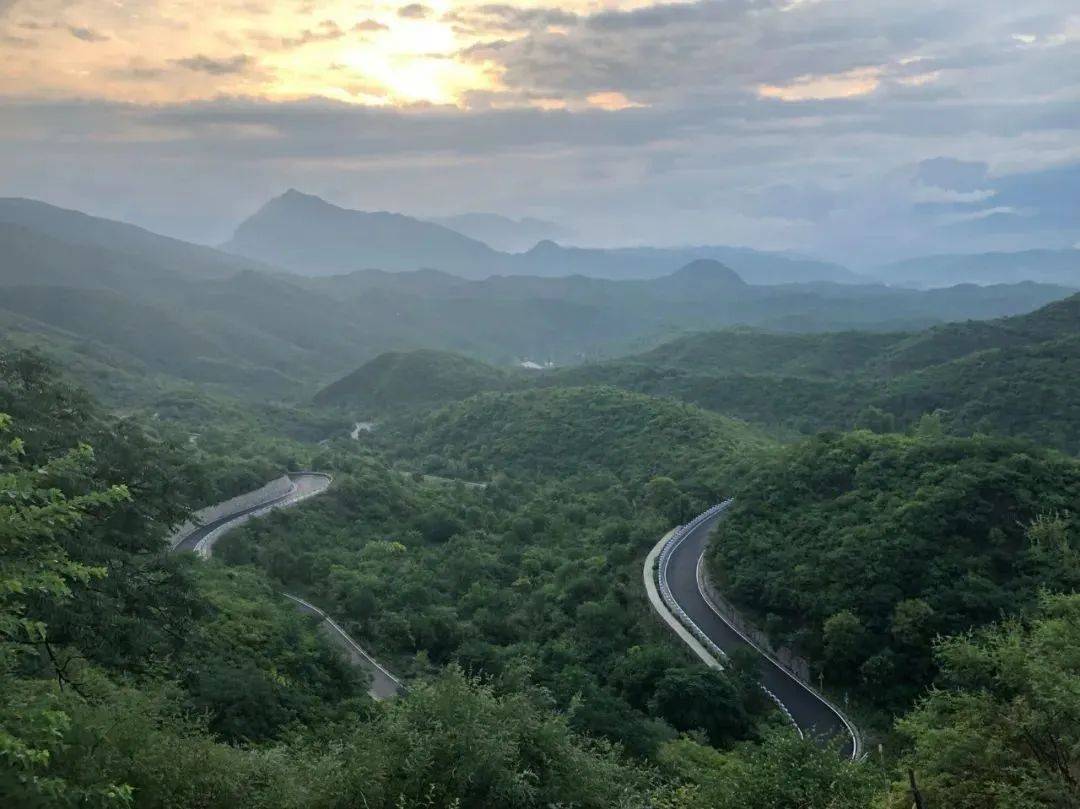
(810, 713)
(305, 484)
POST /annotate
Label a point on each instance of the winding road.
(303, 485)
(811, 713)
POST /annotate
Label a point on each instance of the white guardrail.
(348, 638)
(673, 543)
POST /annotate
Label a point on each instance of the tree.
(704, 699)
(912, 621)
(783, 772)
(34, 516)
(843, 635)
(1003, 728)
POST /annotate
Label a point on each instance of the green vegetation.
(1004, 728)
(1016, 376)
(561, 431)
(540, 570)
(410, 379)
(861, 548)
(489, 551)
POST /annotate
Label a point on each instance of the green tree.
(701, 698)
(1003, 727)
(783, 772)
(34, 517)
(843, 634)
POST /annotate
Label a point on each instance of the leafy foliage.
(862, 548)
(1003, 728)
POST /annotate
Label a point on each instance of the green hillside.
(560, 431)
(410, 379)
(861, 548)
(1016, 376)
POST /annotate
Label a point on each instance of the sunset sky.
(817, 125)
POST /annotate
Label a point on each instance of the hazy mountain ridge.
(310, 236)
(502, 232)
(1044, 266)
(291, 333)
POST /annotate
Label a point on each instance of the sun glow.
(180, 50)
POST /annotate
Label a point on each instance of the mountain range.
(107, 295)
(1045, 266)
(309, 236)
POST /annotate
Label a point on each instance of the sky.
(858, 130)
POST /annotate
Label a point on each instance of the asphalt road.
(305, 486)
(383, 684)
(814, 717)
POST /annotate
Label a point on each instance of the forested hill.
(411, 379)
(861, 549)
(561, 431)
(1016, 376)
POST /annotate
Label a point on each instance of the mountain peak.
(707, 269)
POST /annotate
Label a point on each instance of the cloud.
(951, 174)
(225, 66)
(414, 11)
(856, 82)
(325, 31)
(611, 101)
(86, 34)
(499, 18)
(370, 25)
(842, 127)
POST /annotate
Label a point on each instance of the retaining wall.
(274, 489)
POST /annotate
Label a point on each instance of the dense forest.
(485, 540)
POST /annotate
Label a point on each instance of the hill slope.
(169, 256)
(407, 379)
(1016, 376)
(566, 431)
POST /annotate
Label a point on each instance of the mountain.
(308, 235)
(260, 332)
(407, 379)
(166, 255)
(501, 232)
(754, 266)
(1045, 266)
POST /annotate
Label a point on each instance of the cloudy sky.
(854, 129)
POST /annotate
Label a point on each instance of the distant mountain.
(162, 308)
(755, 267)
(309, 236)
(503, 233)
(1044, 266)
(400, 380)
(170, 257)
